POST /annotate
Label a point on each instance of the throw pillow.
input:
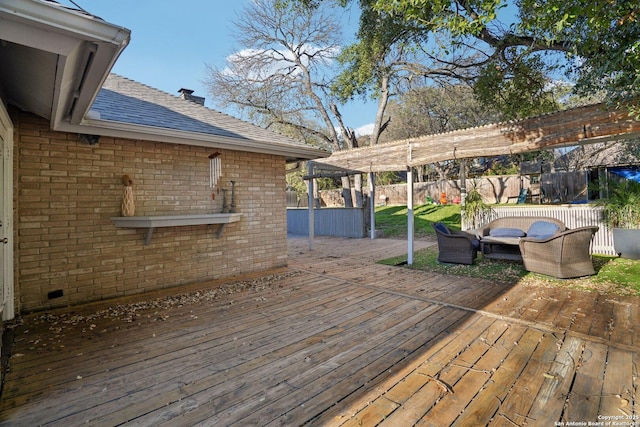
(542, 229)
(442, 228)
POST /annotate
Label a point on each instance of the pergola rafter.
(581, 125)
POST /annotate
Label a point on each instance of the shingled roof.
(140, 111)
(69, 54)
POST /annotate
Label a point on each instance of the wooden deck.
(333, 340)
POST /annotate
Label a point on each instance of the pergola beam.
(581, 125)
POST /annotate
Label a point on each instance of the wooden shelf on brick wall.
(153, 222)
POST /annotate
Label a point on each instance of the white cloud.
(361, 131)
(364, 130)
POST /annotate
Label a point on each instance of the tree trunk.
(378, 126)
(463, 181)
(357, 190)
(441, 172)
(346, 192)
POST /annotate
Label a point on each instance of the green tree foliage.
(382, 45)
(601, 37)
(509, 51)
(380, 63)
(521, 89)
(427, 110)
(475, 211)
(461, 18)
(461, 42)
(431, 110)
(622, 206)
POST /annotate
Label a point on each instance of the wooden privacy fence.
(555, 187)
(498, 189)
(339, 222)
(573, 216)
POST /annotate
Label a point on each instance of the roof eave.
(80, 85)
(86, 48)
(171, 136)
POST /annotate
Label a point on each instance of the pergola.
(582, 125)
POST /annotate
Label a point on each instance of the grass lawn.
(393, 219)
(613, 275)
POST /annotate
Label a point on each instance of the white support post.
(410, 229)
(463, 181)
(463, 190)
(311, 207)
(372, 205)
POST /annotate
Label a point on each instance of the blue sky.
(172, 41)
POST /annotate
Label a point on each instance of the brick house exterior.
(67, 152)
(66, 192)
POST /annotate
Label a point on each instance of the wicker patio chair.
(563, 255)
(456, 247)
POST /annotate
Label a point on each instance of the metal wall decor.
(215, 169)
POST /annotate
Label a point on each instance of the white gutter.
(87, 48)
(65, 20)
(173, 136)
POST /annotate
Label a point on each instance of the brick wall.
(66, 192)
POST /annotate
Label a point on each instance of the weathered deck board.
(434, 357)
(485, 406)
(334, 340)
(554, 302)
(346, 385)
(472, 370)
(635, 409)
(618, 391)
(551, 398)
(586, 393)
(198, 357)
(155, 347)
(571, 311)
(515, 408)
(602, 319)
(623, 330)
(317, 366)
(182, 320)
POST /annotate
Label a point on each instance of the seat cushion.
(506, 232)
(542, 230)
(501, 240)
